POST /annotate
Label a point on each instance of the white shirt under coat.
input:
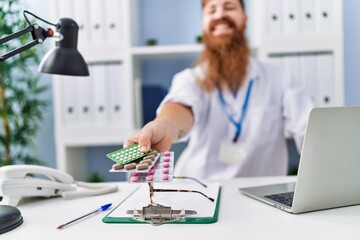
(276, 106)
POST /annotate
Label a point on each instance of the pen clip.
(157, 214)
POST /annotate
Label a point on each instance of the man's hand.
(158, 134)
(172, 123)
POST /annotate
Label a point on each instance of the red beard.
(226, 57)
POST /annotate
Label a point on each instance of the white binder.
(325, 77)
(82, 19)
(84, 104)
(325, 15)
(291, 16)
(114, 24)
(64, 9)
(273, 17)
(100, 94)
(291, 62)
(68, 92)
(115, 74)
(307, 16)
(97, 30)
(307, 66)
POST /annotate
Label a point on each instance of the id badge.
(231, 154)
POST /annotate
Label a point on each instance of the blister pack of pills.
(127, 155)
(141, 165)
(162, 171)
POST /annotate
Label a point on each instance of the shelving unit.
(305, 36)
(77, 129)
(112, 41)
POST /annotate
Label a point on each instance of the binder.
(291, 62)
(291, 17)
(64, 9)
(273, 17)
(100, 93)
(307, 65)
(118, 103)
(114, 24)
(84, 104)
(325, 15)
(81, 17)
(325, 77)
(68, 93)
(97, 30)
(207, 212)
(307, 16)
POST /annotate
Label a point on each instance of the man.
(233, 109)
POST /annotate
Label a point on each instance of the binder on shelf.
(100, 94)
(274, 18)
(307, 16)
(64, 9)
(307, 66)
(97, 30)
(291, 16)
(84, 106)
(117, 105)
(325, 14)
(152, 95)
(206, 211)
(325, 80)
(68, 92)
(114, 24)
(291, 62)
(82, 19)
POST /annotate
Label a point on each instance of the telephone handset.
(16, 183)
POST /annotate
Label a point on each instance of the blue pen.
(102, 208)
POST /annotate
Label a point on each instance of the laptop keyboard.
(283, 198)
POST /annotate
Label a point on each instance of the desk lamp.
(63, 60)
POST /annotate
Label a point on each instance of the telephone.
(16, 183)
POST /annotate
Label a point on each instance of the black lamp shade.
(65, 58)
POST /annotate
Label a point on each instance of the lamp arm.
(38, 33)
(18, 50)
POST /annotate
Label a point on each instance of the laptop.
(329, 168)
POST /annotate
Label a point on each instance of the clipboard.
(208, 212)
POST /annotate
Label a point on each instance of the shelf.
(167, 50)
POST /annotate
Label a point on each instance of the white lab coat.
(275, 106)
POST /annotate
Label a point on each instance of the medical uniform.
(275, 106)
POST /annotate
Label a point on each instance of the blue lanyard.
(238, 125)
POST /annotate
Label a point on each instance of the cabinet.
(106, 108)
(111, 104)
(306, 37)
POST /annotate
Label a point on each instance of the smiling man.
(233, 109)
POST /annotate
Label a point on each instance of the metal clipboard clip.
(157, 214)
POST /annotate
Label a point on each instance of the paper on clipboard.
(206, 210)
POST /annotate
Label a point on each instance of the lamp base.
(10, 218)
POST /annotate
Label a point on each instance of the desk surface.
(239, 216)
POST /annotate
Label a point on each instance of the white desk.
(240, 217)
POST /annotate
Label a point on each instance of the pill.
(154, 153)
(166, 159)
(134, 174)
(151, 172)
(165, 177)
(148, 161)
(149, 178)
(166, 165)
(151, 157)
(142, 166)
(117, 166)
(130, 166)
(165, 170)
(167, 153)
(134, 179)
